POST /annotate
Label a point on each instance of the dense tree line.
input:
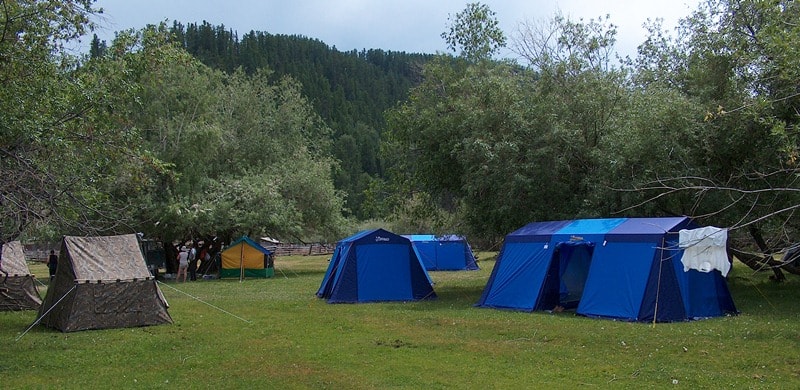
(701, 123)
(350, 90)
(142, 137)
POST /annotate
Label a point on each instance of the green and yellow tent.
(245, 258)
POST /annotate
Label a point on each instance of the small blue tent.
(622, 268)
(373, 266)
(443, 253)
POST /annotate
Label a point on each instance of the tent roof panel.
(13, 259)
(537, 231)
(356, 236)
(420, 237)
(377, 236)
(637, 229)
(587, 229)
(106, 258)
(248, 241)
(433, 237)
(630, 229)
(591, 226)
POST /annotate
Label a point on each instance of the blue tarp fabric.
(443, 253)
(621, 268)
(375, 266)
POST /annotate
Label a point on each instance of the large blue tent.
(621, 268)
(373, 266)
(443, 253)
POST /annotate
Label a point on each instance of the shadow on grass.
(458, 293)
(757, 295)
(447, 298)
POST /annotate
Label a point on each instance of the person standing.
(52, 263)
(183, 264)
(192, 263)
(203, 258)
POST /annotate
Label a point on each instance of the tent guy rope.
(202, 301)
(38, 320)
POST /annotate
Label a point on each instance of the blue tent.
(372, 266)
(622, 268)
(443, 253)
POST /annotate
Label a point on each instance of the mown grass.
(291, 339)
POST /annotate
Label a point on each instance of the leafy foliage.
(67, 166)
(475, 32)
(500, 144)
(247, 156)
(737, 60)
(143, 137)
(349, 90)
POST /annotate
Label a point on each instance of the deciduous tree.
(63, 157)
(739, 61)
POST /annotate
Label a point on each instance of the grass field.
(275, 333)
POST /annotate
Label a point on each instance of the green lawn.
(275, 333)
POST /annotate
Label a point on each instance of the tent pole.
(241, 262)
(658, 285)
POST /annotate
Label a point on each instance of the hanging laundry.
(704, 249)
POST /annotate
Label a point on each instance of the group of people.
(189, 256)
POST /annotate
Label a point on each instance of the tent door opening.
(566, 276)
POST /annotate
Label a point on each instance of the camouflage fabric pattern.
(100, 283)
(18, 291)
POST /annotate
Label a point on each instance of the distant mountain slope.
(349, 90)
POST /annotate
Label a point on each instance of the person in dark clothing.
(193, 262)
(52, 263)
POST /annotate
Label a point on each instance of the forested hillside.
(350, 90)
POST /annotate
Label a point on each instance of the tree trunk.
(760, 262)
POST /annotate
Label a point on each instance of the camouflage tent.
(102, 282)
(17, 291)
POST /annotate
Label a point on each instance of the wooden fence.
(299, 249)
(40, 251)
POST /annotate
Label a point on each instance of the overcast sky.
(397, 25)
